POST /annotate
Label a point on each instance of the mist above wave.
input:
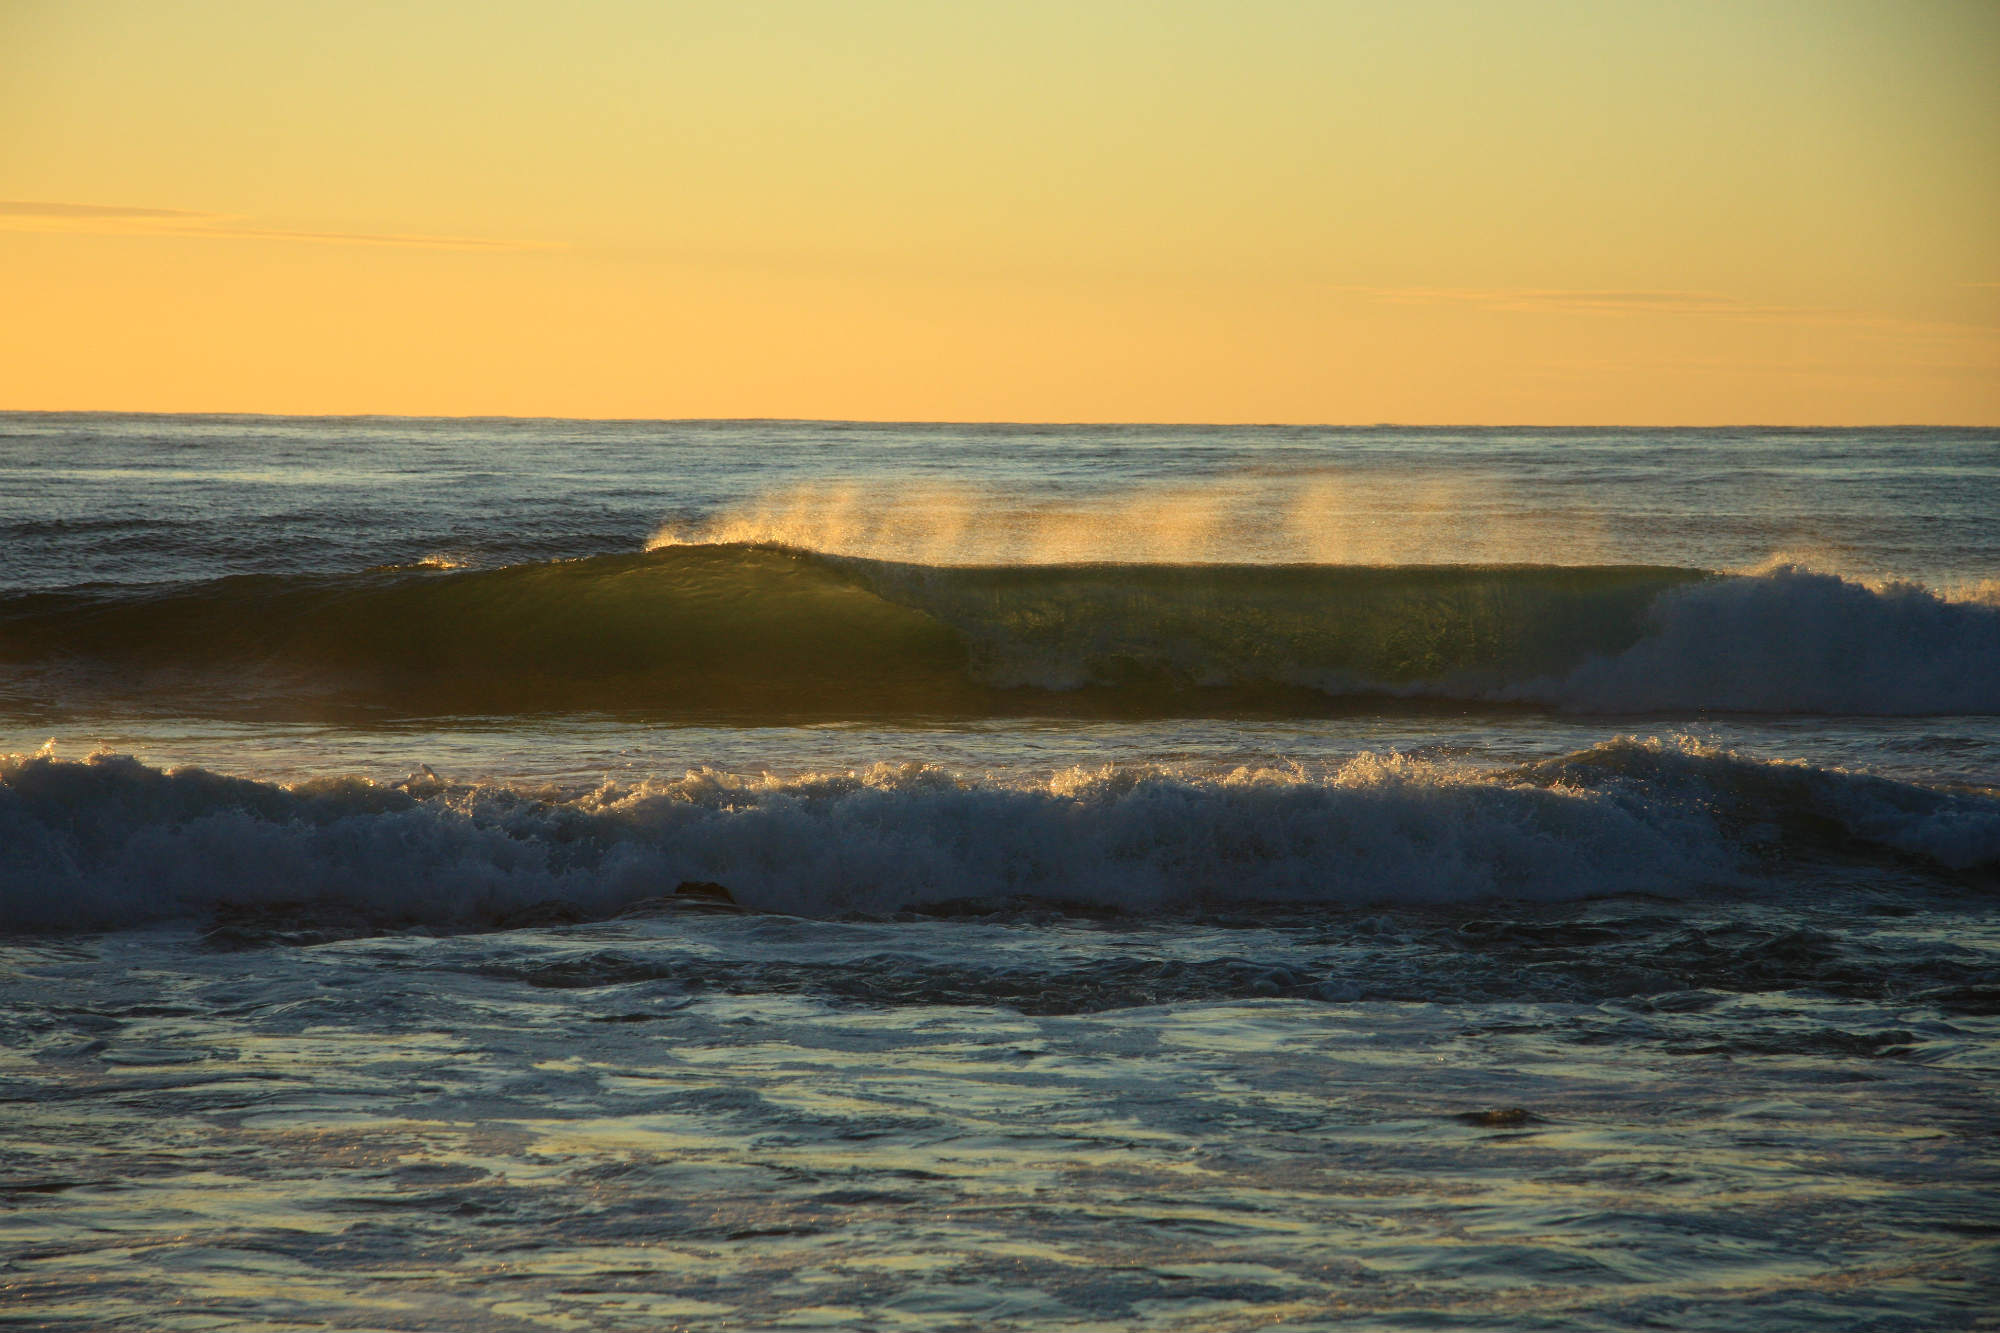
(1322, 517)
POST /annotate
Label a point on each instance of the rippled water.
(1669, 1001)
(1588, 1120)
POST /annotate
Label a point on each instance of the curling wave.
(768, 633)
(109, 842)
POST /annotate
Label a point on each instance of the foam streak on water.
(482, 1133)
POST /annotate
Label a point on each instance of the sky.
(1263, 210)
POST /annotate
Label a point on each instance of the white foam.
(109, 842)
(1956, 829)
(1791, 640)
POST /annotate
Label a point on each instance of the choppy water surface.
(755, 1123)
(1180, 878)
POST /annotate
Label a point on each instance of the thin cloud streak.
(1611, 301)
(35, 209)
(115, 220)
(1712, 305)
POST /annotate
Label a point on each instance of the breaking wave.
(108, 842)
(755, 633)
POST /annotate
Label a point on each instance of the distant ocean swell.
(108, 842)
(758, 632)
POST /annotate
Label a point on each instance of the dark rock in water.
(1512, 1117)
(1020, 906)
(296, 924)
(691, 895)
(705, 891)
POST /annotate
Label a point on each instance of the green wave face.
(1327, 628)
(710, 631)
(751, 632)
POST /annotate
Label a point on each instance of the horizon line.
(999, 422)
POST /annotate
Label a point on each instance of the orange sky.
(1162, 210)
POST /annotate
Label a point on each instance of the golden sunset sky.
(1264, 210)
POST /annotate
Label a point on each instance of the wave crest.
(763, 633)
(108, 842)
(1794, 641)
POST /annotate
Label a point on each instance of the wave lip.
(109, 843)
(753, 633)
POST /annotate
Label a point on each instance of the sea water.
(723, 875)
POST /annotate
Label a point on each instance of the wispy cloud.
(1602, 301)
(118, 220)
(28, 209)
(1693, 304)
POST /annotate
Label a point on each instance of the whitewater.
(492, 874)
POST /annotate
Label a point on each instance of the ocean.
(554, 875)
